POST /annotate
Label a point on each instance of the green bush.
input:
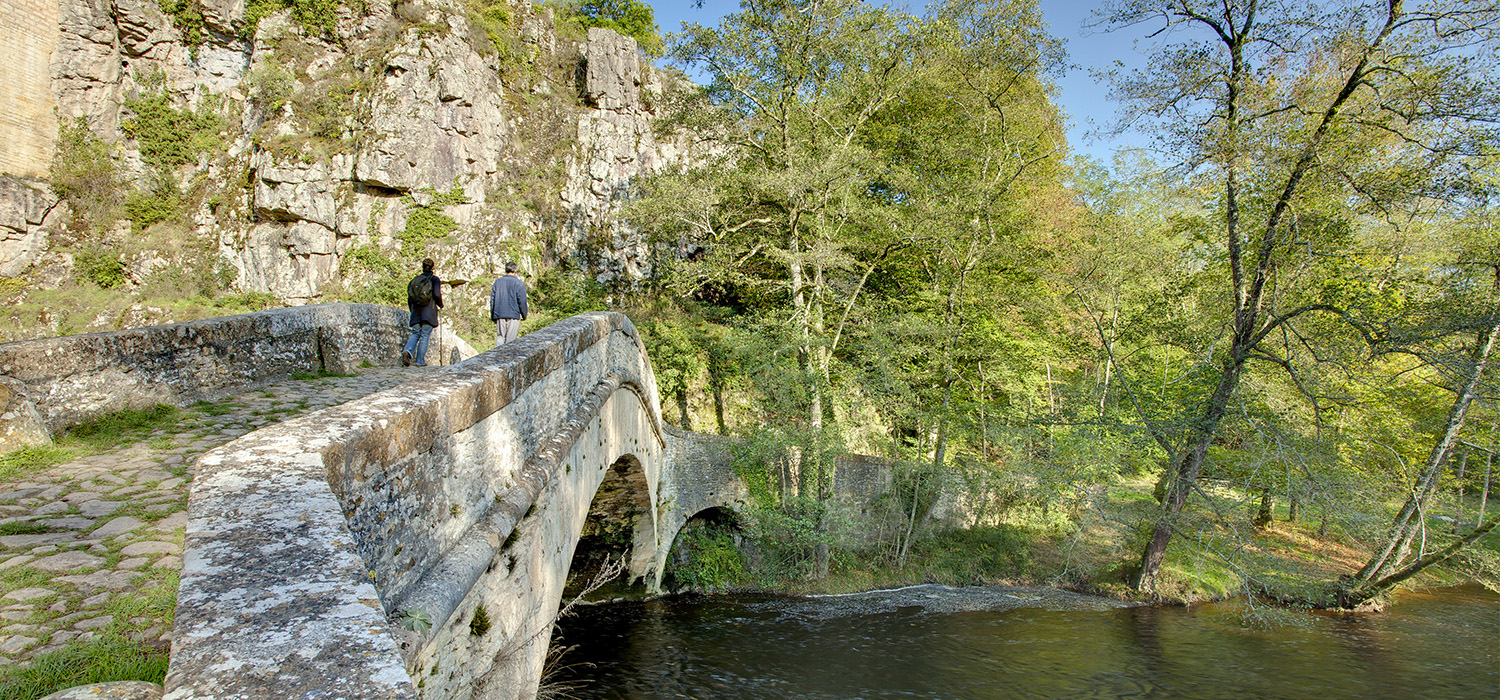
(314, 16)
(427, 222)
(712, 562)
(187, 17)
(100, 266)
(270, 86)
(83, 175)
(164, 202)
(170, 137)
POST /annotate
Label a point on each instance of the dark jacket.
(507, 298)
(427, 314)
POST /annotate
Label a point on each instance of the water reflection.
(1434, 645)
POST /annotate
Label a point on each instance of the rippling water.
(1438, 645)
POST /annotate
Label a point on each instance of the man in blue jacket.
(424, 296)
(507, 305)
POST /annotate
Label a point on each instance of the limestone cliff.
(311, 158)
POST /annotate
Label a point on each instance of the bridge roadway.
(108, 552)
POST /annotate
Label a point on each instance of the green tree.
(1310, 117)
(785, 214)
(632, 18)
(973, 151)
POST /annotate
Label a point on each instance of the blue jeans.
(417, 343)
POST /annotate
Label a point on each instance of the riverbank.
(1296, 560)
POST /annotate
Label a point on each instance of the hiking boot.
(405, 358)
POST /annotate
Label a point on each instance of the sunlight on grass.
(122, 428)
(17, 465)
(107, 657)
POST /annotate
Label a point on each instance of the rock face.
(617, 144)
(24, 206)
(20, 423)
(399, 134)
(118, 690)
(28, 33)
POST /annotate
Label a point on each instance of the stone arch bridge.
(415, 543)
(348, 553)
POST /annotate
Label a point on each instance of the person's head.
(510, 268)
(428, 265)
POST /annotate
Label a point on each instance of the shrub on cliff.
(83, 175)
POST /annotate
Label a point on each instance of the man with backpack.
(507, 305)
(424, 296)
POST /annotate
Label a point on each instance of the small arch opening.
(708, 553)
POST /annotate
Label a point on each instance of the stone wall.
(28, 123)
(307, 540)
(72, 379)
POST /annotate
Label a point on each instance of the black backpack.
(419, 290)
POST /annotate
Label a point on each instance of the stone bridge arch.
(416, 543)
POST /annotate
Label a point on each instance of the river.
(1010, 643)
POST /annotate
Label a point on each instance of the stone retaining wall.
(28, 126)
(72, 379)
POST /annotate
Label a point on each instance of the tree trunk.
(911, 520)
(1293, 509)
(1263, 516)
(1362, 593)
(1463, 464)
(682, 409)
(1408, 522)
(1183, 478)
(718, 391)
(1484, 497)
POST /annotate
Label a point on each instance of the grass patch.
(17, 577)
(107, 657)
(155, 598)
(163, 442)
(122, 428)
(320, 374)
(214, 409)
(19, 464)
(24, 527)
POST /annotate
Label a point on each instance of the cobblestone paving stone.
(111, 550)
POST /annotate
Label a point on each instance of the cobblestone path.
(101, 541)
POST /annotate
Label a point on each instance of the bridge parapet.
(71, 379)
(303, 536)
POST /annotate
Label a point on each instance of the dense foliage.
(1261, 339)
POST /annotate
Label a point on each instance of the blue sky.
(1085, 101)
